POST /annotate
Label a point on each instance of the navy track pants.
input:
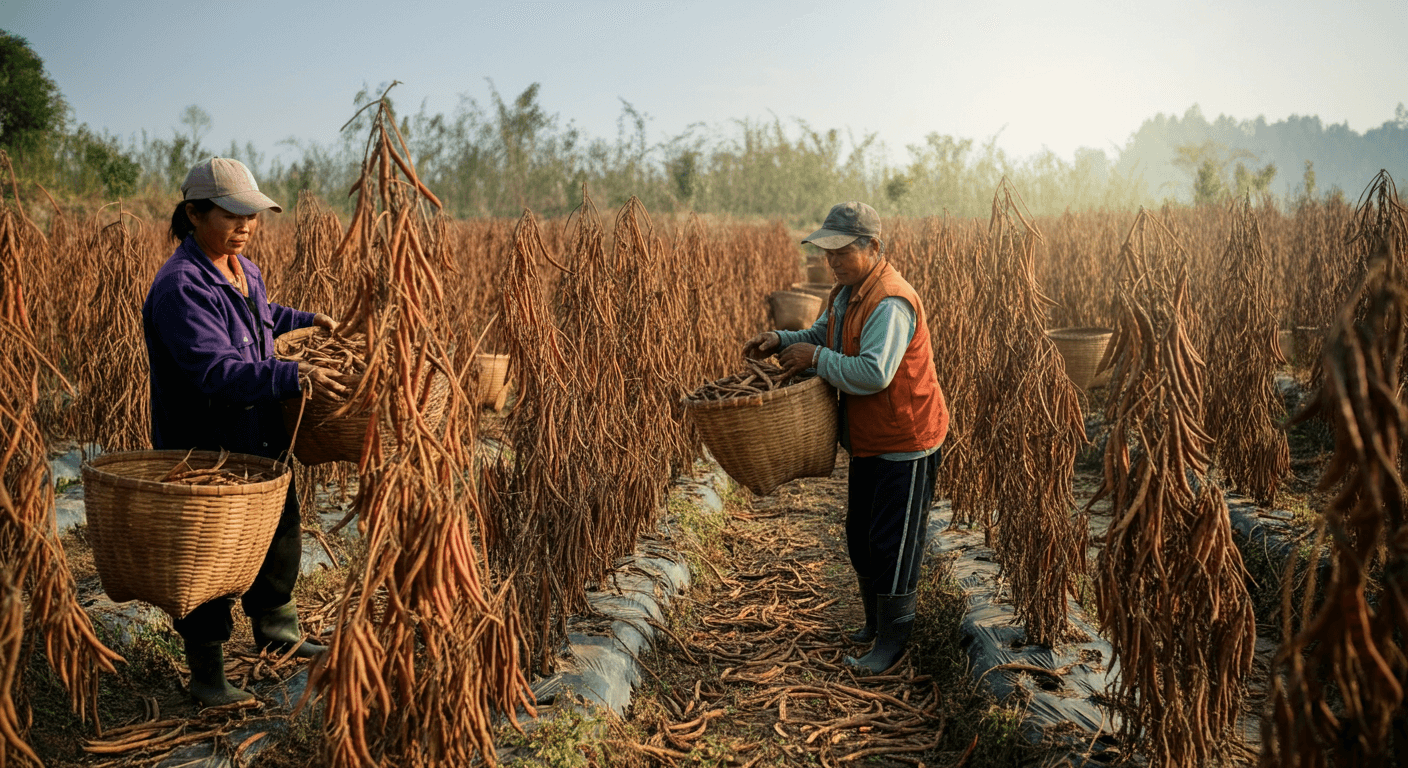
(887, 519)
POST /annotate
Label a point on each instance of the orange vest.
(910, 414)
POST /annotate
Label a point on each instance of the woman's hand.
(324, 382)
(323, 321)
(797, 357)
(762, 345)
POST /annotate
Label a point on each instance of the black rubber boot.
(867, 595)
(209, 685)
(277, 631)
(894, 625)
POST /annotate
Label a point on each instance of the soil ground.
(750, 672)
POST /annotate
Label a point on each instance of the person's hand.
(323, 321)
(325, 383)
(797, 358)
(762, 345)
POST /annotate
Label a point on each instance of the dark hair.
(181, 223)
(863, 243)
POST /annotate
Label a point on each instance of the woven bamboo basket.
(766, 440)
(816, 289)
(818, 272)
(492, 380)
(178, 546)
(794, 311)
(1081, 348)
(1306, 343)
(323, 436)
(1287, 340)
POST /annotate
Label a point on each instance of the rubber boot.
(894, 625)
(277, 631)
(209, 685)
(867, 595)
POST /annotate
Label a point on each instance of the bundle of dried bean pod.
(1170, 584)
(185, 474)
(760, 377)
(34, 571)
(1338, 679)
(345, 354)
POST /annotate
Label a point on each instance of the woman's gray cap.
(228, 184)
(845, 223)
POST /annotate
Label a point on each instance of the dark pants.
(887, 519)
(211, 622)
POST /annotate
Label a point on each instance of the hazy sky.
(1038, 74)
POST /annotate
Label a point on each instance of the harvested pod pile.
(765, 428)
(760, 377)
(345, 354)
(334, 430)
(185, 474)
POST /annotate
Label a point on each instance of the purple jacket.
(214, 381)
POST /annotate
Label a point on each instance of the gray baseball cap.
(228, 184)
(845, 223)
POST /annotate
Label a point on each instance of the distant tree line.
(1294, 158)
(496, 158)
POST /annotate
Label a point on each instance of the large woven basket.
(818, 272)
(1081, 348)
(492, 380)
(816, 289)
(178, 546)
(793, 310)
(322, 436)
(766, 440)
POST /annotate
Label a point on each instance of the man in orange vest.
(872, 344)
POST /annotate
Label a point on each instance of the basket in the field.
(1081, 348)
(818, 272)
(178, 546)
(793, 310)
(765, 440)
(492, 380)
(323, 435)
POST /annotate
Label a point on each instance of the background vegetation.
(498, 157)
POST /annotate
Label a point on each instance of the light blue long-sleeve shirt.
(883, 340)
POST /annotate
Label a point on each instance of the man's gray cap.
(845, 223)
(228, 184)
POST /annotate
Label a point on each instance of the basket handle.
(286, 456)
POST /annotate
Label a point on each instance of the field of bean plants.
(473, 560)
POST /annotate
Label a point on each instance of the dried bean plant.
(541, 520)
(425, 651)
(1033, 429)
(1243, 405)
(1338, 680)
(1170, 583)
(113, 408)
(33, 568)
(939, 257)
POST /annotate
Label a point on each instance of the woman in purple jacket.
(209, 330)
